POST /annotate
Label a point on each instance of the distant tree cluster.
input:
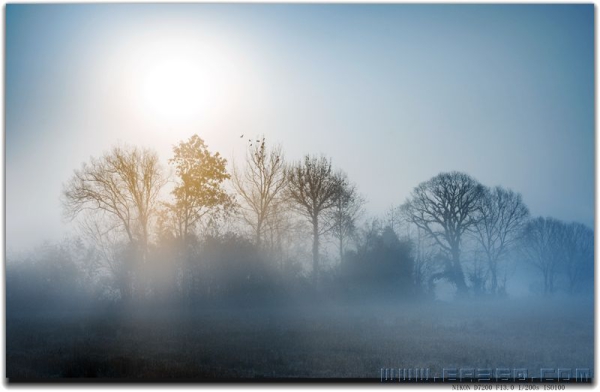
(492, 226)
(556, 248)
(272, 229)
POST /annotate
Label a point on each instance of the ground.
(301, 341)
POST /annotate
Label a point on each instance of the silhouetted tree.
(578, 255)
(424, 259)
(380, 266)
(346, 210)
(477, 272)
(425, 252)
(51, 277)
(542, 246)
(314, 189)
(394, 218)
(444, 208)
(502, 215)
(235, 270)
(112, 266)
(122, 185)
(261, 186)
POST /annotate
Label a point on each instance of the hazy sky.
(393, 94)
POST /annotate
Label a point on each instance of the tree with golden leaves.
(199, 189)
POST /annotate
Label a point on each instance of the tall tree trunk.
(145, 241)
(431, 283)
(459, 276)
(316, 249)
(494, 288)
(341, 248)
(257, 234)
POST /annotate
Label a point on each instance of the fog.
(219, 307)
(229, 192)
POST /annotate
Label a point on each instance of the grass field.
(324, 341)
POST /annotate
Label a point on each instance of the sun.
(176, 89)
(176, 80)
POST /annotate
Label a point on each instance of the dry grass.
(303, 341)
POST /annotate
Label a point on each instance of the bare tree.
(476, 270)
(542, 246)
(502, 215)
(123, 184)
(425, 260)
(579, 253)
(394, 219)
(424, 255)
(314, 189)
(261, 186)
(445, 208)
(346, 210)
(107, 240)
(110, 267)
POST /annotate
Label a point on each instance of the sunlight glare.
(179, 82)
(175, 89)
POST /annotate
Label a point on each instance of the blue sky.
(394, 94)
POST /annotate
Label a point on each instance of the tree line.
(206, 232)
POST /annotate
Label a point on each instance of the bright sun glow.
(180, 80)
(176, 89)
